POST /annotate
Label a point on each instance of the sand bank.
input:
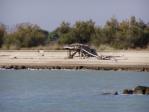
(22, 59)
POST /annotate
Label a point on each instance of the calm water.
(70, 91)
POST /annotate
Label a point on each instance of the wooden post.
(69, 53)
(79, 51)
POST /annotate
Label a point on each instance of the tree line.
(130, 33)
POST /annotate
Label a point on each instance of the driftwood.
(84, 51)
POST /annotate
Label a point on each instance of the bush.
(2, 34)
(131, 33)
(26, 35)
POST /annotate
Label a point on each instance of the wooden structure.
(80, 50)
(84, 51)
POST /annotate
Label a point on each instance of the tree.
(27, 35)
(129, 33)
(68, 38)
(110, 29)
(53, 36)
(64, 28)
(2, 33)
(83, 31)
(63, 33)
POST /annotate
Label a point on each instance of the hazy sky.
(50, 13)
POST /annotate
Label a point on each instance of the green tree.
(63, 33)
(27, 35)
(129, 33)
(64, 28)
(67, 38)
(110, 30)
(2, 33)
(83, 31)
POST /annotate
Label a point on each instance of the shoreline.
(33, 59)
(122, 68)
(139, 68)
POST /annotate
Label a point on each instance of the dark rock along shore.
(77, 67)
(144, 90)
(138, 90)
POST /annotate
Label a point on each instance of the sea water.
(71, 91)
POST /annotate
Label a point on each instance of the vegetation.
(130, 33)
(2, 34)
(26, 35)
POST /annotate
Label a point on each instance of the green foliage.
(81, 32)
(26, 35)
(64, 34)
(130, 33)
(2, 33)
(53, 36)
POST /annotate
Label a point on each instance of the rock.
(144, 90)
(137, 90)
(141, 90)
(116, 93)
(147, 91)
(128, 91)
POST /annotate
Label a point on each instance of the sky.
(49, 14)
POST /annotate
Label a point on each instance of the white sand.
(59, 58)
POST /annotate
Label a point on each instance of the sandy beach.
(124, 60)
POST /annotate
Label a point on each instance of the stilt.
(83, 51)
